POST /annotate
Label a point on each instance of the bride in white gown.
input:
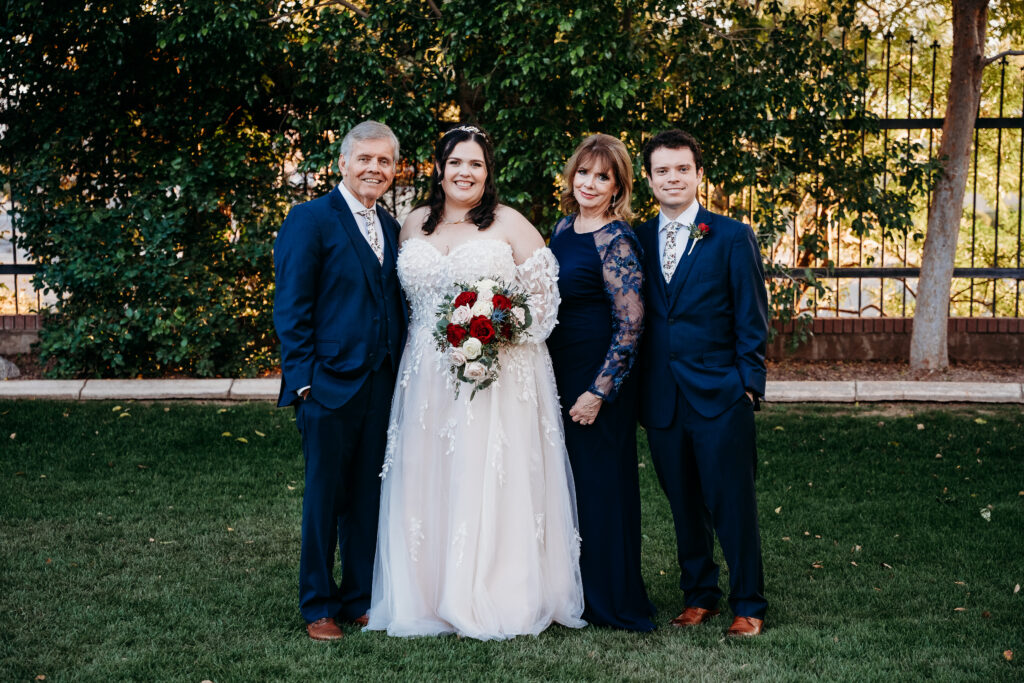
(477, 531)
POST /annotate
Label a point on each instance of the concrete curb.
(853, 391)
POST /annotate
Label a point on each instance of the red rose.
(465, 299)
(481, 328)
(501, 302)
(456, 334)
(506, 331)
(704, 228)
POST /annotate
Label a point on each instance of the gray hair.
(368, 130)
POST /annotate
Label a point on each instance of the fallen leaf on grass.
(785, 538)
(14, 434)
(230, 529)
(778, 509)
(290, 488)
(818, 565)
(887, 565)
(661, 572)
(259, 433)
(143, 467)
(125, 415)
(1008, 655)
(853, 563)
(242, 439)
(41, 677)
(920, 426)
(223, 410)
(986, 615)
(49, 561)
(959, 609)
(780, 428)
(986, 514)
(981, 421)
(19, 474)
(938, 456)
(960, 583)
(1016, 589)
(115, 409)
(226, 434)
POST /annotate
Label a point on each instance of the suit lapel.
(390, 240)
(648, 234)
(364, 254)
(690, 256)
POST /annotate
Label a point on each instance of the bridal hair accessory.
(465, 129)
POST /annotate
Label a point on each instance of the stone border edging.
(852, 391)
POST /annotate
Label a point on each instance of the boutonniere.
(697, 233)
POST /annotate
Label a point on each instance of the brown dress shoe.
(324, 629)
(745, 626)
(693, 616)
(362, 621)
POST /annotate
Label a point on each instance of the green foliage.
(153, 547)
(152, 148)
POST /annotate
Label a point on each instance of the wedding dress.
(478, 532)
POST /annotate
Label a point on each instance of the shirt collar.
(354, 205)
(687, 217)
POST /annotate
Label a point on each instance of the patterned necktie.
(669, 261)
(371, 234)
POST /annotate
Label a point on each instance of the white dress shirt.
(685, 219)
(355, 206)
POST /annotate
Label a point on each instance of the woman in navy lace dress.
(592, 349)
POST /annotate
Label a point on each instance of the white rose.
(456, 357)
(519, 314)
(475, 371)
(472, 348)
(482, 307)
(461, 315)
(485, 288)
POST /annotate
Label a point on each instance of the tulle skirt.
(478, 531)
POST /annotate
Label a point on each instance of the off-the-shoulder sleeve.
(538, 277)
(621, 258)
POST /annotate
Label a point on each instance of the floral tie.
(371, 234)
(668, 264)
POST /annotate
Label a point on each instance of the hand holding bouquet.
(474, 323)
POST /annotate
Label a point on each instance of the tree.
(154, 146)
(928, 344)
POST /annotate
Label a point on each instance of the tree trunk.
(928, 343)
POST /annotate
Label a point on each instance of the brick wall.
(989, 339)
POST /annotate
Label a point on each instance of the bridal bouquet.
(474, 323)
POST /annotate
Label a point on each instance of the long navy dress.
(592, 348)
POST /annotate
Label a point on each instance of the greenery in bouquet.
(474, 323)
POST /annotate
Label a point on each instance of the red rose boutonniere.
(697, 233)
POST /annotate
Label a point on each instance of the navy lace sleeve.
(621, 258)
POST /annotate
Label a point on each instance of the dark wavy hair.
(673, 139)
(482, 215)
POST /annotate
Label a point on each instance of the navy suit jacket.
(705, 331)
(338, 312)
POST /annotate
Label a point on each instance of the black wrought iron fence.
(875, 274)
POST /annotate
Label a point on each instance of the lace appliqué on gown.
(478, 532)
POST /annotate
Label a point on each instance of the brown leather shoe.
(362, 621)
(745, 626)
(324, 629)
(693, 616)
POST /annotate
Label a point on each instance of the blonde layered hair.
(610, 152)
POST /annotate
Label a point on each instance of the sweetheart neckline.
(457, 247)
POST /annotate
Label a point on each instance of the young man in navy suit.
(702, 373)
(339, 314)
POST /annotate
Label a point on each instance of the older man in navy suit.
(702, 373)
(339, 313)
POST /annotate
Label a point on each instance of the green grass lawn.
(160, 542)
